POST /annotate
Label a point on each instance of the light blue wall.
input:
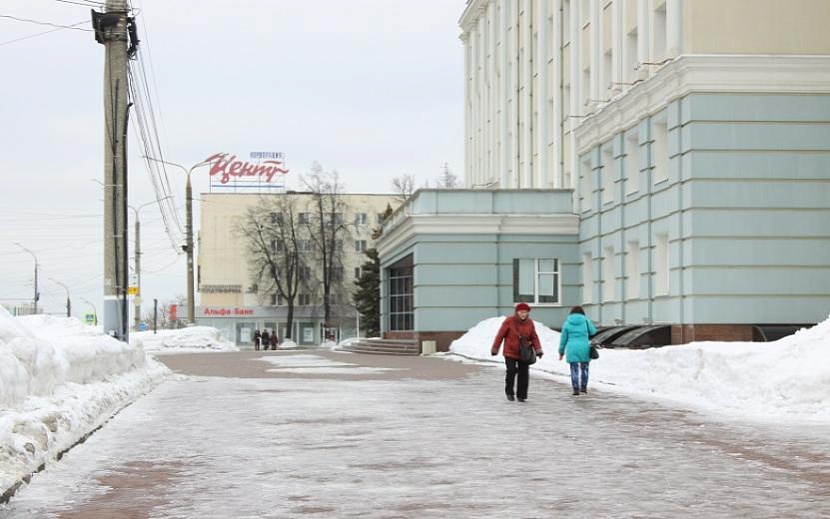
(746, 208)
(462, 279)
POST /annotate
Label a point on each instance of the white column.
(576, 61)
(492, 115)
(555, 44)
(468, 159)
(618, 43)
(543, 52)
(526, 22)
(504, 93)
(674, 28)
(514, 93)
(595, 36)
(643, 37)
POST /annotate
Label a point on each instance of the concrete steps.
(383, 347)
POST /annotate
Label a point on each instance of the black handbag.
(593, 352)
(526, 352)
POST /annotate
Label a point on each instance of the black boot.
(576, 392)
(511, 397)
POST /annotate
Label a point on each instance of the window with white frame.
(304, 299)
(633, 270)
(587, 277)
(632, 162)
(304, 218)
(661, 265)
(660, 152)
(536, 280)
(277, 246)
(360, 219)
(608, 183)
(609, 277)
(360, 246)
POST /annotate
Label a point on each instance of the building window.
(276, 218)
(536, 280)
(360, 219)
(273, 299)
(401, 308)
(660, 150)
(587, 277)
(358, 272)
(381, 218)
(304, 245)
(304, 218)
(304, 273)
(331, 220)
(277, 246)
(360, 246)
(337, 274)
(633, 268)
(587, 184)
(608, 174)
(632, 163)
(609, 278)
(661, 262)
(304, 299)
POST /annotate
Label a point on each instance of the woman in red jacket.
(515, 328)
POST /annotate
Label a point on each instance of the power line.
(88, 3)
(50, 24)
(41, 33)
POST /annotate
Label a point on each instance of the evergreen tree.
(367, 295)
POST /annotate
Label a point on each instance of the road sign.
(132, 291)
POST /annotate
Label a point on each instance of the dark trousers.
(515, 367)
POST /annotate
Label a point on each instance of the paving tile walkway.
(322, 434)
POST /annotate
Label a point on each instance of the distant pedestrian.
(517, 329)
(266, 340)
(275, 340)
(575, 344)
(257, 339)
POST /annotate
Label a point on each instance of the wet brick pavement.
(427, 438)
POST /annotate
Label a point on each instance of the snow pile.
(59, 380)
(288, 345)
(788, 379)
(328, 345)
(183, 340)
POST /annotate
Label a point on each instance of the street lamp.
(37, 295)
(68, 301)
(188, 248)
(94, 310)
(137, 299)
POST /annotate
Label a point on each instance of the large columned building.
(692, 138)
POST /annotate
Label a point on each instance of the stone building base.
(442, 339)
(685, 333)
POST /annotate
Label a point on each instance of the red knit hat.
(522, 306)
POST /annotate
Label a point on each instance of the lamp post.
(36, 295)
(188, 247)
(94, 310)
(137, 299)
(68, 301)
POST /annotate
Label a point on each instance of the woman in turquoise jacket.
(575, 344)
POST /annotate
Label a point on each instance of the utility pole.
(113, 29)
(36, 296)
(137, 252)
(188, 247)
(68, 300)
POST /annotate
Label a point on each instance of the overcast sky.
(370, 88)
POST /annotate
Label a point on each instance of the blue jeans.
(579, 370)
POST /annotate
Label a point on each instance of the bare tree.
(448, 179)
(273, 239)
(403, 187)
(328, 231)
